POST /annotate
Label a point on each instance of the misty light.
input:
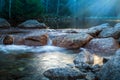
(94, 7)
(102, 7)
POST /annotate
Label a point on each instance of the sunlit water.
(32, 61)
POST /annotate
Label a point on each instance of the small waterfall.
(1, 39)
(49, 41)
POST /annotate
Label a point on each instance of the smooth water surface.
(28, 63)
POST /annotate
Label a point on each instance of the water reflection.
(28, 63)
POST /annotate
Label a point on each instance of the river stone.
(94, 31)
(63, 74)
(33, 40)
(90, 76)
(111, 70)
(4, 23)
(8, 40)
(103, 46)
(84, 56)
(72, 41)
(117, 52)
(32, 24)
(110, 32)
(117, 26)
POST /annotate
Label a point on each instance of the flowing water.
(28, 62)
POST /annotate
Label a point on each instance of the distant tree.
(56, 7)
(27, 8)
(10, 6)
(22, 8)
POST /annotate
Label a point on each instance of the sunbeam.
(102, 7)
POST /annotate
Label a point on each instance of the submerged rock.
(64, 74)
(111, 70)
(72, 41)
(8, 40)
(32, 24)
(103, 46)
(34, 40)
(4, 24)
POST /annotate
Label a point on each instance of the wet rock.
(96, 68)
(8, 40)
(110, 32)
(34, 40)
(70, 65)
(94, 31)
(64, 74)
(90, 76)
(103, 46)
(32, 24)
(71, 31)
(111, 70)
(72, 41)
(84, 56)
(117, 52)
(84, 67)
(117, 26)
(4, 24)
(118, 40)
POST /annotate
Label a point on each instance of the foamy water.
(24, 49)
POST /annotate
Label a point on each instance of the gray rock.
(103, 46)
(84, 56)
(90, 76)
(94, 31)
(117, 52)
(84, 67)
(4, 23)
(117, 26)
(110, 32)
(32, 24)
(96, 68)
(64, 74)
(111, 70)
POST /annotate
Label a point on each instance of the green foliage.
(26, 9)
(23, 9)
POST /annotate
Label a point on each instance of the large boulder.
(117, 26)
(63, 74)
(33, 40)
(111, 32)
(84, 61)
(4, 24)
(103, 46)
(32, 24)
(8, 39)
(94, 31)
(84, 56)
(111, 70)
(72, 41)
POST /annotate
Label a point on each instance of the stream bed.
(29, 63)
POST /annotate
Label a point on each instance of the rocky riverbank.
(97, 49)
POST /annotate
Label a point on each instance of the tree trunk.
(58, 7)
(10, 6)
